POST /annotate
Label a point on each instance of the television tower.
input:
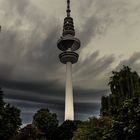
(68, 43)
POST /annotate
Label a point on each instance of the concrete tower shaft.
(69, 105)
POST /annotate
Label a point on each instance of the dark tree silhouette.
(46, 122)
(123, 85)
(65, 131)
(10, 120)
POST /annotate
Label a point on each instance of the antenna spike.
(68, 8)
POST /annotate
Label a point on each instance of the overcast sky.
(30, 72)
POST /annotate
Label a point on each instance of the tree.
(65, 131)
(123, 105)
(94, 129)
(46, 122)
(125, 82)
(123, 85)
(126, 123)
(10, 120)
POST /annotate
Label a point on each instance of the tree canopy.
(124, 84)
(45, 121)
(10, 120)
(65, 130)
(126, 122)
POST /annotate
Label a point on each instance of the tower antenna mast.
(68, 8)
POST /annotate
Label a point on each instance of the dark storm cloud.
(94, 65)
(32, 86)
(12, 38)
(22, 55)
(52, 96)
(32, 106)
(86, 108)
(48, 95)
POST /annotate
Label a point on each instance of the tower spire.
(68, 8)
(68, 27)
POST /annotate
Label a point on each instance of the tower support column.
(69, 106)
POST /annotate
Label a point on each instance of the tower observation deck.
(68, 44)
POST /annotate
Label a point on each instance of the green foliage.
(65, 131)
(46, 122)
(123, 85)
(125, 82)
(94, 129)
(123, 125)
(126, 124)
(10, 120)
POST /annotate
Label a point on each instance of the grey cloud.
(93, 72)
(48, 88)
(92, 27)
(89, 95)
(87, 108)
(20, 7)
(96, 64)
(53, 96)
(20, 55)
(133, 62)
(99, 15)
